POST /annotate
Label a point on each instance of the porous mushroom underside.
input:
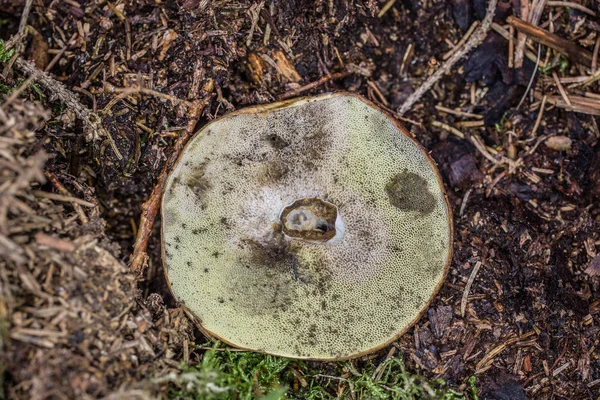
(311, 229)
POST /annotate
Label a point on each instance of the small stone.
(558, 143)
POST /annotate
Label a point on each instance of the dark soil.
(531, 226)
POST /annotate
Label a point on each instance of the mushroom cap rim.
(261, 108)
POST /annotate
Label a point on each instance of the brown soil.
(528, 223)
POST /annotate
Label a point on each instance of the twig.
(561, 89)
(511, 47)
(533, 16)
(481, 147)
(378, 93)
(561, 45)
(508, 36)
(386, 7)
(584, 82)
(465, 297)
(484, 363)
(458, 113)
(595, 55)
(64, 198)
(521, 37)
(124, 92)
(150, 208)
(538, 120)
(463, 204)
(59, 186)
(312, 85)
(55, 243)
(476, 39)
(449, 128)
(580, 104)
(478, 143)
(60, 53)
(60, 92)
(24, 16)
(573, 5)
(462, 41)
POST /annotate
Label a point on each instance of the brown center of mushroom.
(310, 219)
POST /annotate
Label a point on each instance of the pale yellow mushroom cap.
(367, 239)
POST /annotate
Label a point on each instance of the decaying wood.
(561, 45)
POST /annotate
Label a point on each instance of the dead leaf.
(285, 68)
(594, 268)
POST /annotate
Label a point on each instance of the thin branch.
(533, 16)
(150, 208)
(312, 85)
(573, 5)
(60, 92)
(24, 16)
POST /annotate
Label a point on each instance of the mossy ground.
(225, 374)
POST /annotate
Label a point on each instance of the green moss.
(223, 374)
(5, 55)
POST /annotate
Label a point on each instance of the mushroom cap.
(247, 215)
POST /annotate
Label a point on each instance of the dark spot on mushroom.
(216, 254)
(189, 263)
(277, 142)
(174, 184)
(197, 182)
(272, 172)
(408, 191)
(206, 270)
(225, 223)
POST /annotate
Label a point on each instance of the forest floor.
(517, 147)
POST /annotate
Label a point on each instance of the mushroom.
(315, 228)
